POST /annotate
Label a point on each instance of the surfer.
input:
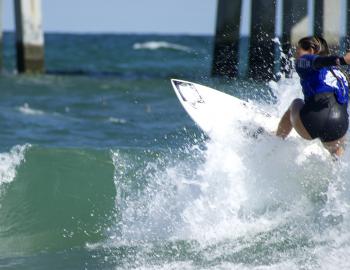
(323, 112)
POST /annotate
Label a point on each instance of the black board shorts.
(324, 118)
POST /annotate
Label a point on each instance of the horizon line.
(117, 33)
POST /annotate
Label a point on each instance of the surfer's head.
(312, 45)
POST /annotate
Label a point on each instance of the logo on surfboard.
(189, 93)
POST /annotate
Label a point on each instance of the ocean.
(101, 168)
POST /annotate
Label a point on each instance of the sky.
(123, 16)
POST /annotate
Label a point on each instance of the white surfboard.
(211, 109)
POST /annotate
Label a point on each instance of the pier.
(29, 36)
(255, 38)
(1, 46)
(225, 58)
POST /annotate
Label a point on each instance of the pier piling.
(278, 36)
(29, 36)
(1, 34)
(225, 58)
(293, 13)
(265, 31)
(244, 38)
(344, 28)
(262, 46)
(315, 17)
(319, 11)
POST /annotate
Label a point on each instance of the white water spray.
(246, 192)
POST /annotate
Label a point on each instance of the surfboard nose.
(177, 81)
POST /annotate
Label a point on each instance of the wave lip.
(156, 45)
(10, 161)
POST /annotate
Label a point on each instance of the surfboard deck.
(211, 109)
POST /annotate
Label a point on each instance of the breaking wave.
(156, 45)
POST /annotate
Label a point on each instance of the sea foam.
(10, 161)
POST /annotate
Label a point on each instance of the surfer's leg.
(291, 119)
(335, 147)
(297, 124)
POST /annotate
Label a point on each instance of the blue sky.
(124, 16)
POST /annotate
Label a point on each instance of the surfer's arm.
(329, 61)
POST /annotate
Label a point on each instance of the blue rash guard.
(321, 80)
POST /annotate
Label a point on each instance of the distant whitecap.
(25, 109)
(156, 45)
(115, 120)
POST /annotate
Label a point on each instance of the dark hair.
(317, 43)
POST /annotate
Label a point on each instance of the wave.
(56, 199)
(156, 45)
(26, 109)
(231, 202)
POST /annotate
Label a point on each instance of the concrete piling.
(29, 36)
(278, 35)
(347, 30)
(294, 12)
(311, 17)
(1, 34)
(319, 11)
(225, 57)
(344, 26)
(315, 17)
(262, 44)
(244, 38)
(266, 26)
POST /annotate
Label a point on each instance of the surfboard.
(211, 109)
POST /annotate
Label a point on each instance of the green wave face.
(59, 198)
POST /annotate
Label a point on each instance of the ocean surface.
(101, 168)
